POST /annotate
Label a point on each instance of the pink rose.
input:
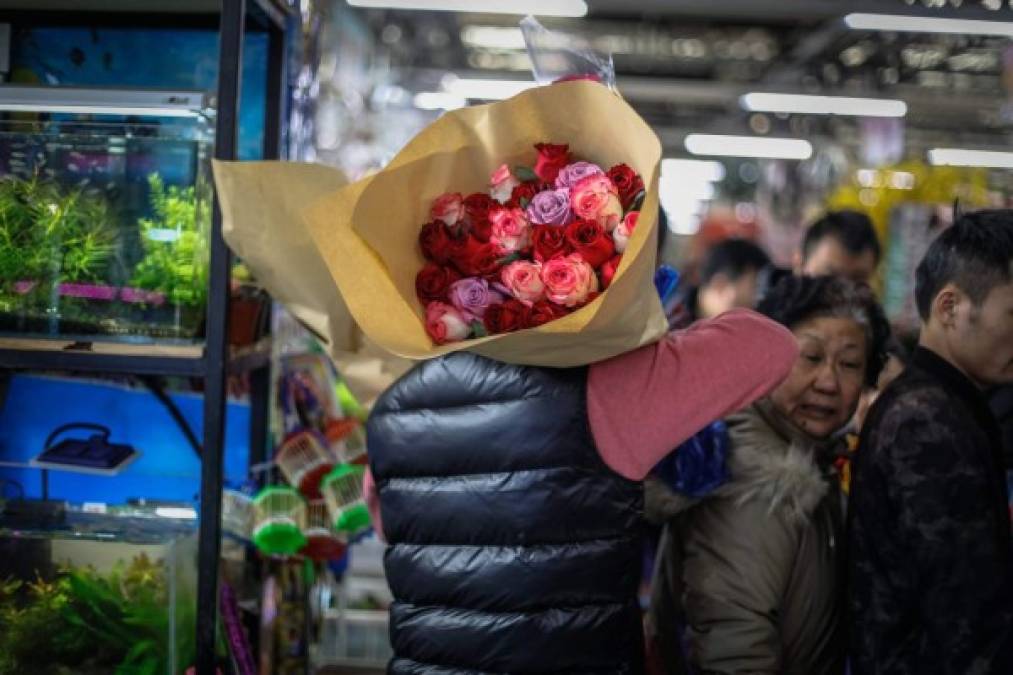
(621, 235)
(445, 323)
(572, 174)
(596, 198)
(472, 296)
(449, 208)
(523, 280)
(502, 184)
(511, 231)
(568, 281)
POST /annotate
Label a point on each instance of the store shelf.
(101, 357)
(273, 11)
(252, 357)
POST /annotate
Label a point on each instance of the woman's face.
(821, 393)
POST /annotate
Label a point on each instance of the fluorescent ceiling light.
(702, 169)
(748, 146)
(959, 157)
(435, 100)
(489, 90)
(823, 105)
(927, 24)
(570, 8)
(83, 101)
(493, 37)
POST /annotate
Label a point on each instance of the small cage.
(322, 542)
(342, 490)
(279, 518)
(304, 459)
(237, 514)
(347, 440)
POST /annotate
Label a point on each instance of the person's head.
(728, 276)
(841, 243)
(964, 292)
(841, 332)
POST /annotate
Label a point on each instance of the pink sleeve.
(644, 403)
(372, 498)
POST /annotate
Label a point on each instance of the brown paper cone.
(262, 204)
(367, 232)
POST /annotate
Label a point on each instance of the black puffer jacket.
(513, 547)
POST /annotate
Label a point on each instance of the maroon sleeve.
(644, 403)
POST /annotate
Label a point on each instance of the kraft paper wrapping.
(366, 233)
(262, 204)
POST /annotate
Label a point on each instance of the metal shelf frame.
(232, 18)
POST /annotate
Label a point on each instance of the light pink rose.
(502, 184)
(448, 207)
(621, 235)
(445, 323)
(568, 281)
(511, 231)
(596, 198)
(523, 280)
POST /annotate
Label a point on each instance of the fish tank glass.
(97, 593)
(105, 214)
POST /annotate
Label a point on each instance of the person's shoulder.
(912, 396)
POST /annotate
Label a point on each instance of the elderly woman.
(750, 578)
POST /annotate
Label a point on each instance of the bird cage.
(346, 440)
(279, 518)
(342, 490)
(322, 542)
(304, 459)
(237, 514)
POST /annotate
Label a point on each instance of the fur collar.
(773, 462)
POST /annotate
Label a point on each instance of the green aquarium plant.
(50, 234)
(88, 622)
(174, 239)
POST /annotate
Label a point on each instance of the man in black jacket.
(931, 573)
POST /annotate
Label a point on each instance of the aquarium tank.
(105, 214)
(97, 593)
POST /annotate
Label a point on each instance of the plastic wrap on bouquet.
(366, 233)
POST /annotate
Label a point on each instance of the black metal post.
(276, 93)
(233, 17)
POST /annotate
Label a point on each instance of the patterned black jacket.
(930, 572)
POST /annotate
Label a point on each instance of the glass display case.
(105, 213)
(96, 593)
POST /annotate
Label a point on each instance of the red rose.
(549, 241)
(504, 318)
(476, 214)
(628, 182)
(435, 242)
(551, 160)
(523, 194)
(590, 240)
(433, 281)
(608, 271)
(474, 258)
(543, 312)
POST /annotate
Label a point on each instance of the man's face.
(982, 338)
(829, 257)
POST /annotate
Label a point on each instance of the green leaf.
(524, 202)
(507, 259)
(478, 328)
(524, 174)
(139, 650)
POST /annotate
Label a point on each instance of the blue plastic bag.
(698, 466)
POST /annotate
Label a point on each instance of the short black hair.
(853, 229)
(733, 258)
(796, 299)
(974, 254)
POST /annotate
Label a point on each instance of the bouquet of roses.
(542, 243)
(552, 244)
